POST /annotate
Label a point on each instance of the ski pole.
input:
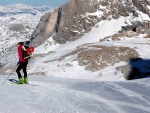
(8, 75)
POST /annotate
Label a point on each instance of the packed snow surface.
(54, 95)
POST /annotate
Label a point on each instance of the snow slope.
(55, 95)
(49, 65)
(104, 28)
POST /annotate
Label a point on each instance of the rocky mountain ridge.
(77, 17)
(15, 9)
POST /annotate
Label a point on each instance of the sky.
(54, 3)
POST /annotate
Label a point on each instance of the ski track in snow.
(55, 95)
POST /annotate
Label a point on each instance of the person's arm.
(24, 48)
(20, 55)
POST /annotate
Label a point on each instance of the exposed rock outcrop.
(96, 57)
(39, 33)
(67, 22)
(120, 36)
(142, 5)
(105, 56)
(77, 17)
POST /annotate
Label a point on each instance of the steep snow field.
(48, 66)
(55, 95)
(103, 29)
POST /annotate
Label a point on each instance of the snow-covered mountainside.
(84, 51)
(114, 41)
(17, 22)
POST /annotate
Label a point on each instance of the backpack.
(26, 53)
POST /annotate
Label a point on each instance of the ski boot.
(21, 81)
(26, 80)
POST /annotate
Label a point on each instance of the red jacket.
(20, 54)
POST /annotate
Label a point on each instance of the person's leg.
(25, 69)
(25, 72)
(20, 66)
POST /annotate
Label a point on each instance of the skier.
(22, 64)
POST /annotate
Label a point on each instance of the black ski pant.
(22, 65)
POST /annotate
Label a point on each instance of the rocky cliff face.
(142, 5)
(77, 17)
(67, 22)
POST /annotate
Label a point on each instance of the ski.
(25, 84)
(14, 81)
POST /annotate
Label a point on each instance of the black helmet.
(21, 43)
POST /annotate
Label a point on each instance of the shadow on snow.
(140, 68)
